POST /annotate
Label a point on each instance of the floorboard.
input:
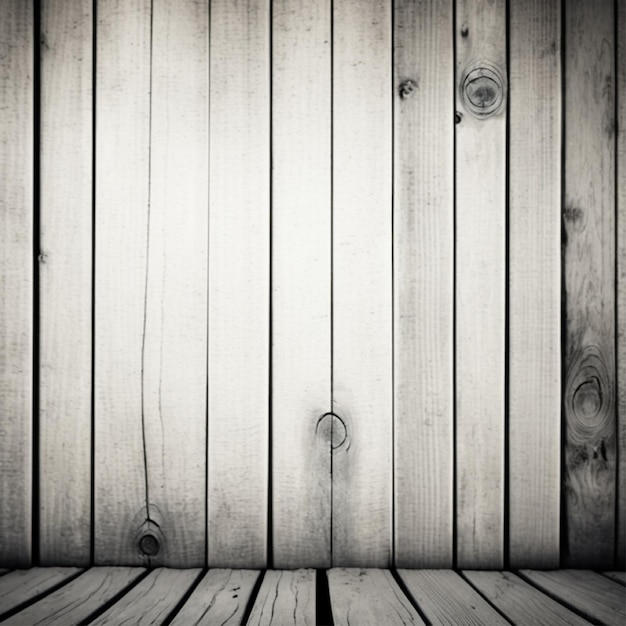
(67, 596)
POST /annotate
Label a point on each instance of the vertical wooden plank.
(16, 280)
(480, 280)
(423, 287)
(175, 331)
(362, 283)
(121, 220)
(621, 281)
(301, 240)
(534, 284)
(151, 290)
(589, 283)
(65, 279)
(239, 283)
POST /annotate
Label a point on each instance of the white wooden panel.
(16, 280)
(362, 282)
(175, 330)
(121, 223)
(423, 287)
(65, 280)
(239, 261)
(301, 282)
(535, 284)
(480, 287)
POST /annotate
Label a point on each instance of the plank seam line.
(39, 596)
(323, 605)
(562, 602)
(617, 15)
(114, 599)
(183, 600)
(208, 296)
(92, 469)
(405, 590)
(461, 573)
(454, 298)
(506, 492)
(35, 321)
(270, 404)
(332, 264)
(563, 535)
(253, 597)
(392, 556)
(615, 580)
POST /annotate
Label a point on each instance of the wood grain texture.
(301, 283)
(423, 286)
(534, 284)
(239, 293)
(65, 282)
(152, 600)
(362, 282)
(221, 597)
(480, 291)
(368, 597)
(285, 598)
(79, 599)
(445, 598)
(22, 585)
(621, 283)
(589, 285)
(121, 224)
(151, 365)
(175, 325)
(520, 602)
(16, 281)
(592, 594)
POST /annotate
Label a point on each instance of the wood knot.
(332, 429)
(587, 398)
(407, 88)
(149, 545)
(483, 91)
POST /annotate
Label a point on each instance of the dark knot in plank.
(149, 545)
(483, 90)
(587, 399)
(407, 88)
(331, 428)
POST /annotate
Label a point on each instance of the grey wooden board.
(445, 598)
(153, 599)
(368, 597)
(221, 597)
(16, 280)
(285, 597)
(521, 602)
(619, 576)
(590, 593)
(75, 602)
(423, 283)
(25, 584)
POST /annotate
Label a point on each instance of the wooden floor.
(125, 595)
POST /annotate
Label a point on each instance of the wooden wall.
(308, 283)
